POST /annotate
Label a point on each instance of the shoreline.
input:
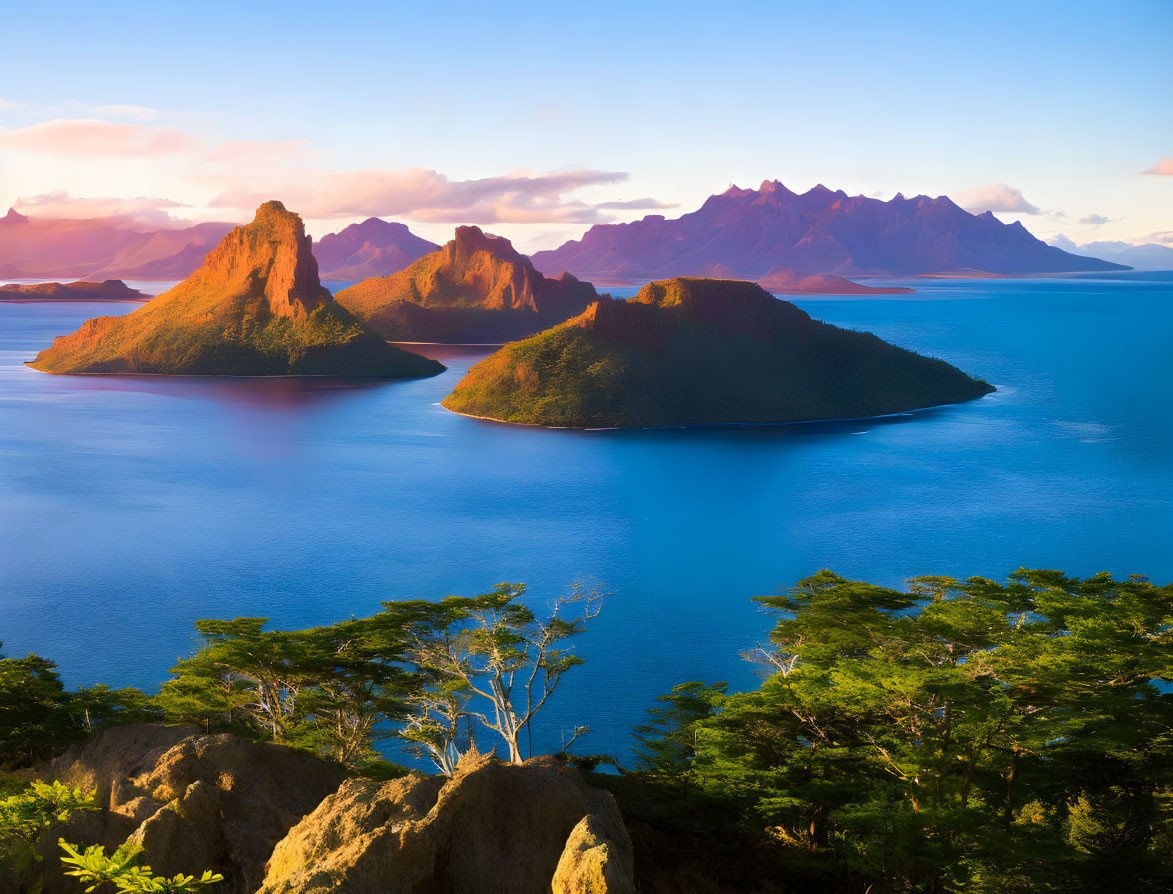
(690, 425)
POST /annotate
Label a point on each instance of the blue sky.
(1066, 103)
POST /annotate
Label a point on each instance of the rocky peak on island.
(476, 288)
(272, 259)
(14, 217)
(255, 307)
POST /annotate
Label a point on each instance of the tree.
(493, 647)
(955, 736)
(32, 723)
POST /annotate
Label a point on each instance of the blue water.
(129, 507)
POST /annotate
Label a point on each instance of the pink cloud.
(995, 197)
(426, 195)
(1164, 166)
(83, 136)
(139, 210)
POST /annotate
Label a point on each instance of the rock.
(492, 828)
(255, 307)
(229, 801)
(476, 289)
(194, 802)
(108, 762)
(597, 859)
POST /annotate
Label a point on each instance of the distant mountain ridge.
(746, 233)
(101, 248)
(105, 248)
(372, 248)
(1146, 256)
(477, 288)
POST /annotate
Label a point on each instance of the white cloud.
(995, 197)
(426, 195)
(93, 137)
(59, 205)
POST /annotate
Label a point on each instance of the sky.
(538, 120)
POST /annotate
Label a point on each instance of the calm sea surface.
(129, 507)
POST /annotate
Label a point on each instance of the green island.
(255, 308)
(949, 736)
(690, 351)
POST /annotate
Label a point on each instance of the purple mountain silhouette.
(745, 233)
(372, 248)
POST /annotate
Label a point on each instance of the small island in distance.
(107, 290)
(691, 351)
(791, 282)
(255, 308)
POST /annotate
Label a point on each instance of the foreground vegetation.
(953, 736)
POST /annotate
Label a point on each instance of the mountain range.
(104, 248)
(1147, 256)
(745, 233)
(101, 248)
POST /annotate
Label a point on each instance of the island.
(107, 290)
(477, 289)
(781, 280)
(691, 351)
(254, 308)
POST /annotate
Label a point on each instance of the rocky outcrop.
(702, 351)
(194, 802)
(492, 828)
(597, 858)
(255, 307)
(477, 288)
(107, 290)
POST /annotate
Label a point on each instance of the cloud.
(995, 197)
(6, 104)
(91, 137)
(1164, 237)
(136, 113)
(1064, 243)
(1164, 166)
(426, 195)
(635, 204)
(1096, 219)
(61, 205)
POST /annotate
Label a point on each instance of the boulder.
(492, 827)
